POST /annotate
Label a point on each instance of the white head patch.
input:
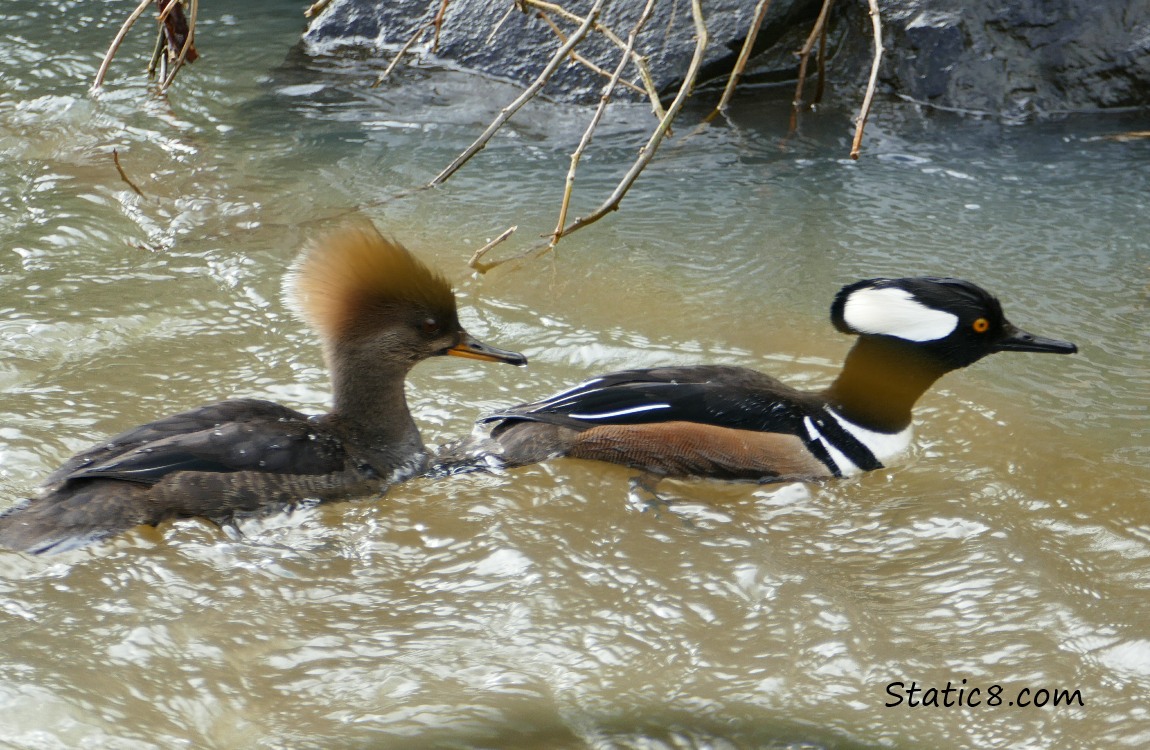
(895, 312)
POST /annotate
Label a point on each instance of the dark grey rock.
(1016, 59)
(480, 35)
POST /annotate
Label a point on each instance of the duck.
(378, 311)
(735, 423)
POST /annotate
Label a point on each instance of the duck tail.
(72, 516)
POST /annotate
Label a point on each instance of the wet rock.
(495, 38)
(1016, 60)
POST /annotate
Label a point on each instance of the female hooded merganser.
(734, 423)
(379, 311)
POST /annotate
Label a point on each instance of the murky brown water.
(541, 609)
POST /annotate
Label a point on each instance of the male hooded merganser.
(734, 423)
(378, 310)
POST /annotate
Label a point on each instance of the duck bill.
(1018, 340)
(472, 348)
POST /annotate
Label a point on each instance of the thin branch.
(640, 61)
(556, 60)
(647, 153)
(744, 55)
(179, 62)
(821, 85)
(437, 22)
(402, 51)
(876, 25)
(316, 8)
(499, 24)
(124, 175)
(117, 41)
(569, 185)
(583, 60)
(804, 55)
(485, 267)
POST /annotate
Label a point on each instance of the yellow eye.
(982, 325)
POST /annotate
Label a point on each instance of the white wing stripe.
(620, 412)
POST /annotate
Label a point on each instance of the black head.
(953, 320)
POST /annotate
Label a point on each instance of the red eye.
(982, 325)
(430, 326)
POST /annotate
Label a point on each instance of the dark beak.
(472, 348)
(1018, 340)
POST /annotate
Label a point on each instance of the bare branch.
(603, 100)
(437, 22)
(316, 8)
(485, 267)
(402, 51)
(639, 60)
(804, 56)
(744, 55)
(499, 24)
(583, 60)
(529, 93)
(876, 25)
(117, 41)
(647, 153)
(124, 175)
(187, 48)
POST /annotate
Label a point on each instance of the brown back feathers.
(356, 273)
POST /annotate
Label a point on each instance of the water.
(541, 608)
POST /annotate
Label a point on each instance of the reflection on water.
(541, 608)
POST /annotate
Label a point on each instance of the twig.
(569, 185)
(124, 175)
(804, 55)
(583, 60)
(485, 267)
(437, 22)
(117, 41)
(499, 24)
(876, 24)
(316, 8)
(821, 85)
(399, 55)
(647, 153)
(179, 62)
(640, 61)
(744, 55)
(506, 113)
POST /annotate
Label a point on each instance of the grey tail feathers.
(57, 522)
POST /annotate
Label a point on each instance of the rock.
(1016, 60)
(482, 35)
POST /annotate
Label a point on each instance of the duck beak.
(1018, 340)
(472, 348)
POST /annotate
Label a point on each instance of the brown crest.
(355, 271)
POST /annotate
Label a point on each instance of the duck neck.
(370, 413)
(880, 383)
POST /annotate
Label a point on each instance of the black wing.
(242, 435)
(733, 397)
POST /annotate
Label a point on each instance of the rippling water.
(542, 608)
